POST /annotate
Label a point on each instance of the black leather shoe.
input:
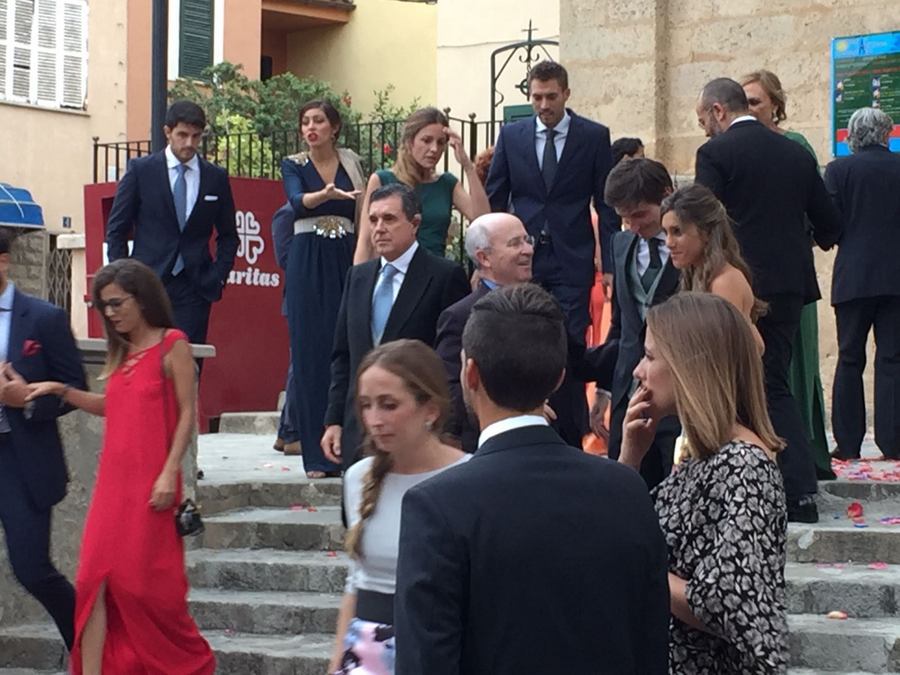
(803, 510)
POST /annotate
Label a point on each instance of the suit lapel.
(162, 172)
(668, 285)
(363, 288)
(18, 327)
(415, 283)
(205, 188)
(569, 147)
(627, 250)
(528, 133)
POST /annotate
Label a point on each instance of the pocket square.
(31, 347)
(210, 198)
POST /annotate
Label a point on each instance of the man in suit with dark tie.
(501, 251)
(643, 276)
(36, 345)
(171, 201)
(533, 557)
(865, 289)
(770, 185)
(549, 168)
(398, 295)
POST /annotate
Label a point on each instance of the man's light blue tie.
(179, 192)
(382, 301)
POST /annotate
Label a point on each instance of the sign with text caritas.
(865, 73)
(246, 326)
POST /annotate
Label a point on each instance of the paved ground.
(233, 458)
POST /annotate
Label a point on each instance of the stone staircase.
(268, 573)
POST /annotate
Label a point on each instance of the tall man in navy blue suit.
(171, 200)
(36, 344)
(548, 168)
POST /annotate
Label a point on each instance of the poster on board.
(865, 72)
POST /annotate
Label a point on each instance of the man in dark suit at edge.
(398, 295)
(501, 251)
(549, 168)
(509, 562)
(171, 200)
(36, 344)
(770, 185)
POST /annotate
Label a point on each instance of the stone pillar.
(82, 436)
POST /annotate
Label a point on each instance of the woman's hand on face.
(639, 428)
(454, 140)
(162, 496)
(332, 192)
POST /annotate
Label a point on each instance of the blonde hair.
(716, 370)
(772, 86)
(696, 205)
(406, 169)
(423, 373)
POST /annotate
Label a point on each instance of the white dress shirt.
(540, 137)
(742, 118)
(401, 264)
(643, 253)
(6, 303)
(508, 424)
(191, 178)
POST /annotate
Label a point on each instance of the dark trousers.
(779, 330)
(27, 531)
(191, 309)
(657, 463)
(287, 430)
(848, 414)
(569, 401)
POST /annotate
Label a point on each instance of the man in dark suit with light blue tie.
(171, 200)
(36, 344)
(549, 168)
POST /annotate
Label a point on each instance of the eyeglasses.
(520, 242)
(115, 304)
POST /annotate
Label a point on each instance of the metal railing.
(59, 276)
(253, 155)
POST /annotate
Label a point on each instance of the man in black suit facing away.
(865, 291)
(171, 200)
(643, 276)
(36, 344)
(770, 185)
(501, 250)
(398, 295)
(549, 168)
(510, 563)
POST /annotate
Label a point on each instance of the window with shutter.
(43, 52)
(196, 37)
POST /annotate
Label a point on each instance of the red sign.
(246, 326)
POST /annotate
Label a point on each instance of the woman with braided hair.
(403, 400)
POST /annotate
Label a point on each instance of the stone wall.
(29, 263)
(638, 66)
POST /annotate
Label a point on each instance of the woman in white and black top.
(402, 400)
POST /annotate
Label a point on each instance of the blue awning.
(18, 209)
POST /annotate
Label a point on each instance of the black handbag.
(188, 522)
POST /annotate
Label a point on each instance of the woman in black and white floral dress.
(722, 511)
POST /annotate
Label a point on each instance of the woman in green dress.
(767, 103)
(426, 134)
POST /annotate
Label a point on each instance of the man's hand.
(607, 284)
(14, 390)
(598, 413)
(331, 443)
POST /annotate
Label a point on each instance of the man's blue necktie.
(179, 192)
(382, 301)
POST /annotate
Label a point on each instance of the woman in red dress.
(131, 613)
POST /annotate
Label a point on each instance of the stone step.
(861, 491)
(859, 591)
(808, 671)
(243, 654)
(268, 570)
(282, 529)
(821, 644)
(36, 646)
(264, 612)
(217, 497)
(37, 649)
(262, 423)
(839, 541)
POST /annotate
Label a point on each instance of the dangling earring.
(429, 424)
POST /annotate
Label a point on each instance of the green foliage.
(243, 152)
(385, 109)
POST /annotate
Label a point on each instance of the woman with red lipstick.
(322, 185)
(425, 137)
(703, 247)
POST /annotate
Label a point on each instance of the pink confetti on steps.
(877, 566)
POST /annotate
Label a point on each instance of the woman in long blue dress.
(321, 185)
